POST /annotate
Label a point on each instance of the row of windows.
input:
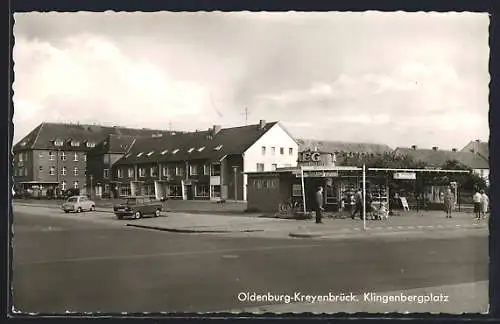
(200, 191)
(73, 143)
(64, 185)
(175, 151)
(63, 156)
(64, 170)
(274, 166)
(260, 184)
(168, 171)
(273, 150)
(23, 156)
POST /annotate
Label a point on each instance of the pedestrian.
(485, 201)
(358, 207)
(476, 198)
(319, 205)
(449, 202)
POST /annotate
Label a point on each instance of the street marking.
(411, 227)
(430, 226)
(167, 254)
(458, 225)
(420, 226)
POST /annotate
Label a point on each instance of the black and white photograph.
(250, 163)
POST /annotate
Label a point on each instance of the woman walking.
(485, 201)
(449, 202)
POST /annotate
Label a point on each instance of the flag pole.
(364, 197)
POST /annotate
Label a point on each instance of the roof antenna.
(215, 108)
(246, 113)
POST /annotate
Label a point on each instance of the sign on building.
(405, 176)
(318, 174)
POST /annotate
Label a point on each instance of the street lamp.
(235, 170)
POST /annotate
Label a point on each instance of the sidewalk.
(450, 299)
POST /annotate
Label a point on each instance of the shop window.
(142, 172)
(206, 169)
(153, 172)
(260, 167)
(124, 191)
(215, 191)
(179, 171)
(193, 170)
(174, 191)
(201, 191)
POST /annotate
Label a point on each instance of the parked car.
(138, 207)
(78, 204)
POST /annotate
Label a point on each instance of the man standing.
(477, 204)
(358, 198)
(319, 204)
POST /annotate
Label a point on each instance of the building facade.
(205, 164)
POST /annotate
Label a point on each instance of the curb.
(181, 230)
(306, 235)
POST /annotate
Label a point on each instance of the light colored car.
(78, 204)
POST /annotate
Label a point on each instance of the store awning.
(39, 182)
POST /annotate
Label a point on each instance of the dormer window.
(140, 154)
(191, 150)
(150, 153)
(58, 142)
(218, 148)
(201, 148)
(75, 143)
(164, 152)
(90, 144)
(175, 151)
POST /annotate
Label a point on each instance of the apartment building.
(53, 157)
(207, 164)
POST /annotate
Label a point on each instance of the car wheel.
(66, 211)
(79, 210)
(157, 213)
(137, 215)
(92, 208)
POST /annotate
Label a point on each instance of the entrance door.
(189, 192)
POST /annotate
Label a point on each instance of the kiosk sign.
(318, 174)
(310, 157)
(405, 176)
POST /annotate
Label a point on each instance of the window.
(90, 144)
(52, 171)
(140, 154)
(166, 171)
(84, 157)
(260, 167)
(63, 156)
(218, 148)
(290, 151)
(40, 168)
(63, 185)
(273, 150)
(130, 172)
(58, 142)
(282, 150)
(21, 157)
(164, 152)
(216, 169)
(175, 151)
(201, 148)
(201, 191)
(179, 171)
(193, 170)
(206, 169)
(153, 172)
(263, 150)
(63, 171)
(120, 173)
(215, 191)
(191, 150)
(75, 143)
(75, 157)
(51, 156)
(105, 173)
(174, 191)
(75, 184)
(142, 172)
(151, 153)
(75, 171)
(274, 166)
(40, 155)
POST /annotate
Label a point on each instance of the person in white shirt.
(477, 204)
(485, 201)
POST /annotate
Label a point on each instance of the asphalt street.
(66, 265)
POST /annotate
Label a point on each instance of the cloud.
(87, 77)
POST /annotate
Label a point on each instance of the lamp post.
(91, 187)
(235, 170)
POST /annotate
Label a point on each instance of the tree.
(468, 181)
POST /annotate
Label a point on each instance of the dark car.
(137, 207)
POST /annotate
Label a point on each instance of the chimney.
(262, 123)
(434, 148)
(414, 147)
(216, 129)
(453, 149)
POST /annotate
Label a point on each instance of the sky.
(398, 78)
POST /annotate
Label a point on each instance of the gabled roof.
(436, 158)
(42, 136)
(482, 148)
(338, 146)
(235, 140)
